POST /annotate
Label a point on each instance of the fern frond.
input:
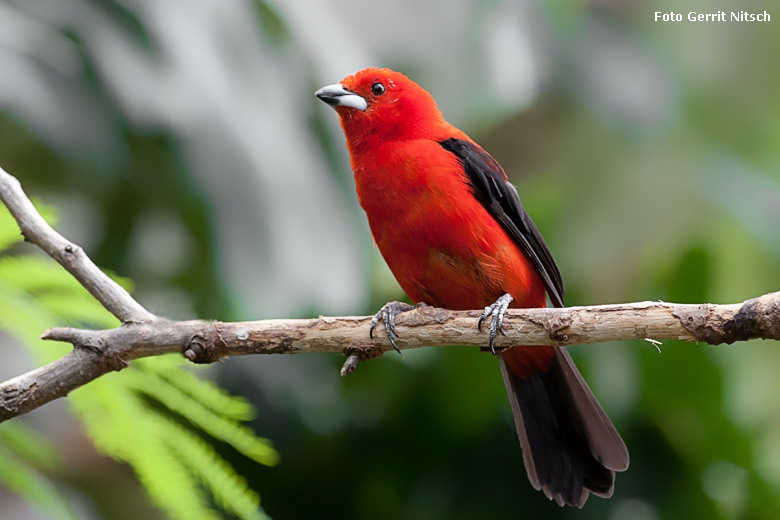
(210, 395)
(228, 488)
(174, 463)
(132, 434)
(171, 485)
(21, 314)
(240, 437)
(41, 280)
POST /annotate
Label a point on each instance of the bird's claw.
(387, 314)
(496, 311)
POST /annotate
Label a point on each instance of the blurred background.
(181, 145)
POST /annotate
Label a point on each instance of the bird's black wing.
(500, 198)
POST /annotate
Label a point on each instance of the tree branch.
(142, 334)
(34, 229)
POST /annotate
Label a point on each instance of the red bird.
(453, 232)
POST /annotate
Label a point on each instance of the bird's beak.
(337, 95)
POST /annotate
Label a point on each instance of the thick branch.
(143, 334)
(98, 352)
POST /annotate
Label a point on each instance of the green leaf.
(228, 487)
(125, 427)
(219, 427)
(201, 390)
(116, 410)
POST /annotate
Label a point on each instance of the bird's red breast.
(437, 238)
(440, 242)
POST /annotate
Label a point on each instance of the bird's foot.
(496, 311)
(387, 314)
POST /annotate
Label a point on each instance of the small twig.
(357, 352)
(654, 342)
(349, 365)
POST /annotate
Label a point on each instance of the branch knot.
(357, 353)
(758, 317)
(206, 347)
(699, 321)
(556, 327)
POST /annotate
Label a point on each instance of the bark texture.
(142, 334)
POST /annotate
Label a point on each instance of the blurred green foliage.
(647, 153)
(154, 415)
(25, 456)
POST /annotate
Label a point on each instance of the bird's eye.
(377, 89)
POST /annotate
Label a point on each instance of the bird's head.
(382, 104)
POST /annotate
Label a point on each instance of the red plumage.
(453, 232)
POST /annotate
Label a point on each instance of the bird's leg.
(387, 314)
(496, 311)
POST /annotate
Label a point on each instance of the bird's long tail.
(570, 447)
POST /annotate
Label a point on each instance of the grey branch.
(34, 229)
(142, 334)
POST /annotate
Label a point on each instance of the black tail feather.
(570, 447)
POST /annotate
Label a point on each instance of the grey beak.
(337, 95)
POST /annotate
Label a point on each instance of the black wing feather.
(495, 192)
